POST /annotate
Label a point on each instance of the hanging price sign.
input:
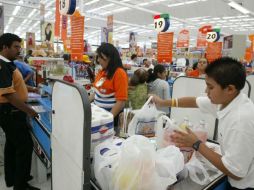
(161, 22)
(67, 7)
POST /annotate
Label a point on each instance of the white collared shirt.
(236, 137)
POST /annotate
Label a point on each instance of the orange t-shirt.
(11, 81)
(108, 91)
(194, 73)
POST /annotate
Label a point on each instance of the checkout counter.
(63, 139)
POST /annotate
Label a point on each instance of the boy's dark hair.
(152, 73)
(144, 60)
(112, 54)
(133, 56)
(139, 77)
(227, 71)
(7, 39)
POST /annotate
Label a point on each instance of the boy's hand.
(183, 139)
(157, 100)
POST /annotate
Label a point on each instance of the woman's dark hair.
(112, 54)
(139, 77)
(153, 73)
(7, 39)
(133, 56)
(227, 71)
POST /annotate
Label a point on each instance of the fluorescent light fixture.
(32, 13)
(176, 4)
(24, 21)
(91, 2)
(10, 20)
(239, 7)
(190, 2)
(143, 4)
(17, 8)
(102, 7)
(121, 9)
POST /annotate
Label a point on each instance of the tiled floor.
(42, 186)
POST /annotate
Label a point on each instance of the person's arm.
(182, 139)
(119, 105)
(32, 89)
(28, 76)
(185, 102)
(15, 101)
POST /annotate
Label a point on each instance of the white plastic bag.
(142, 168)
(197, 171)
(143, 123)
(106, 156)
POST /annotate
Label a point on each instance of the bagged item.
(124, 119)
(165, 128)
(197, 171)
(106, 158)
(143, 123)
(140, 167)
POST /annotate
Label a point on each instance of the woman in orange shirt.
(111, 83)
(200, 71)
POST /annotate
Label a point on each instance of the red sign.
(77, 36)
(165, 47)
(201, 40)
(213, 51)
(64, 27)
(57, 21)
(183, 39)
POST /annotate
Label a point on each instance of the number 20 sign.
(213, 36)
(161, 22)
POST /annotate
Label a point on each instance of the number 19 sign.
(161, 22)
(67, 7)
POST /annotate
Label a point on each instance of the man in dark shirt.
(13, 113)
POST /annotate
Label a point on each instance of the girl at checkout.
(111, 82)
(200, 70)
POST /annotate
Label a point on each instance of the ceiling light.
(10, 20)
(190, 2)
(238, 7)
(175, 5)
(91, 2)
(98, 8)
(14, 13)
(32, 13)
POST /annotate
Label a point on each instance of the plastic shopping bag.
(197, 171)
(142, 168)
(106, 156)
(143, 123)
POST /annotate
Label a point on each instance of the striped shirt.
(108, 91)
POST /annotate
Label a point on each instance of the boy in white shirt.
(225, 78)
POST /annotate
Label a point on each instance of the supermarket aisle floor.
(42, 186)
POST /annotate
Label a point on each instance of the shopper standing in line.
(13, 116)
(137, 92)
(225, 78)
(200, 70)
(111, 83)
(158, 85)
(26, 71)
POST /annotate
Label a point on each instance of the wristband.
(196, 145)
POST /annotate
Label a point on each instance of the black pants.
(18, 148)
(229, 187)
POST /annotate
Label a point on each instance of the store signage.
(67, 7)
(201, 39)
(183, 39)
(161, 22)
(213, 35)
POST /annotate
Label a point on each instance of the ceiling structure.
(23, 16)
